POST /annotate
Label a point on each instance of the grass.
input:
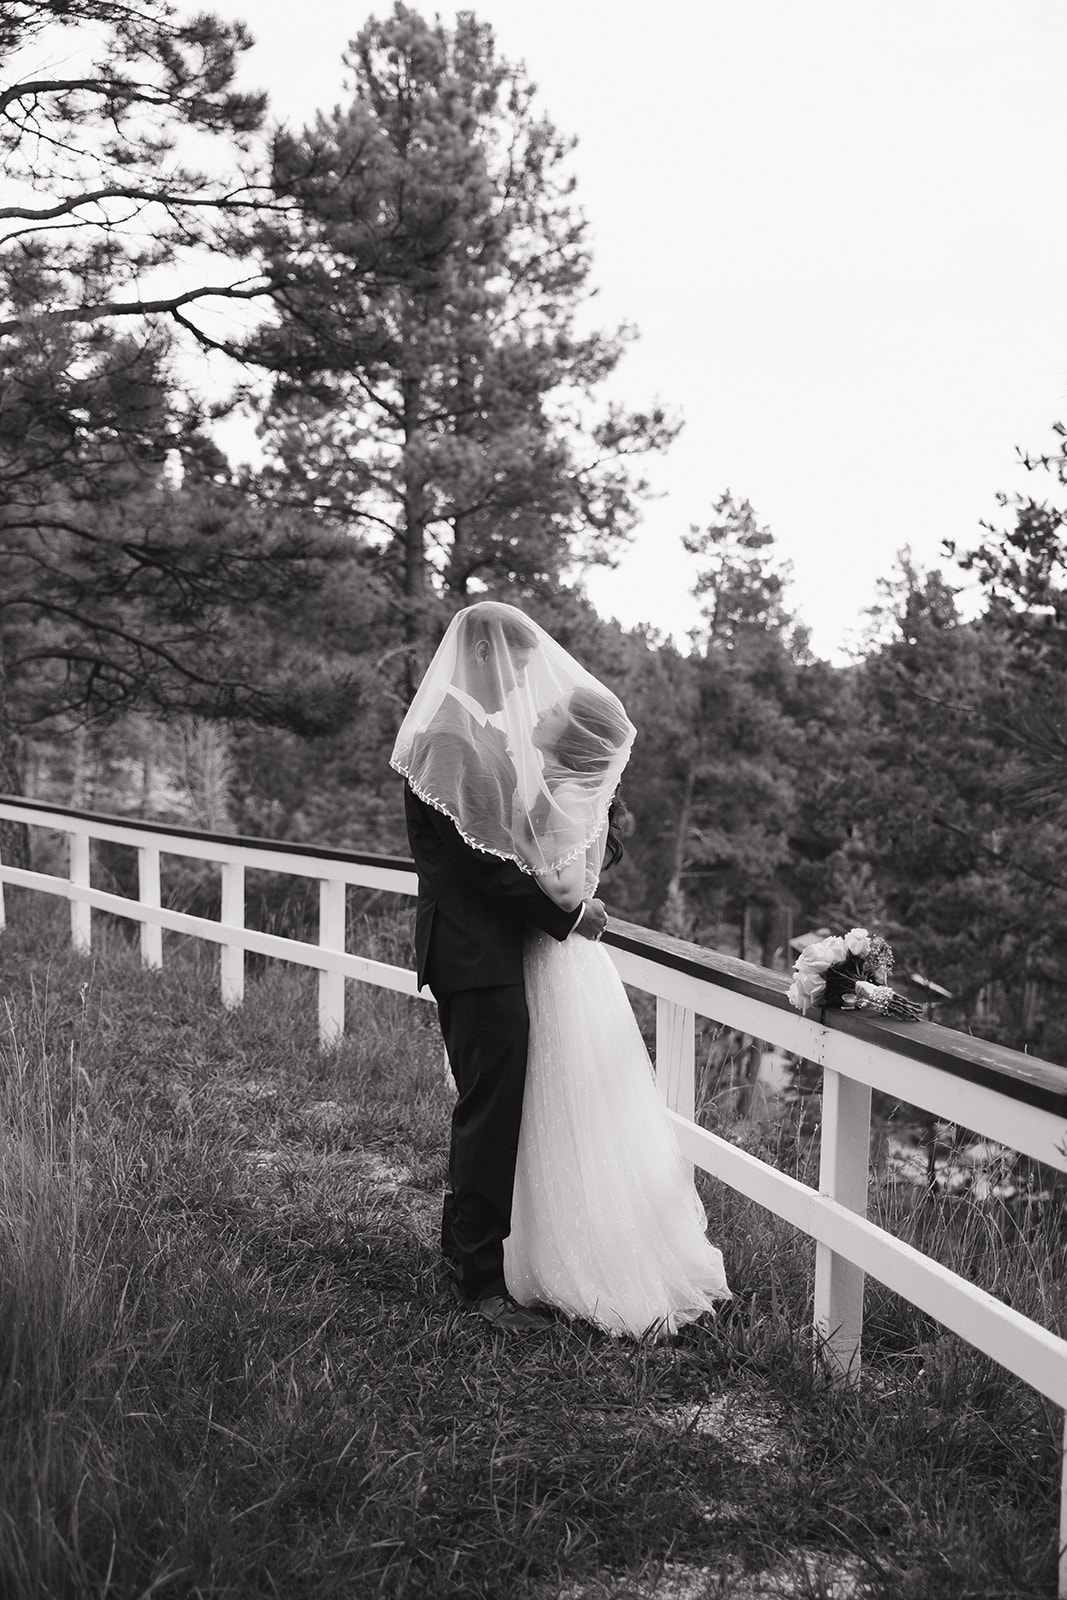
(228, 1366)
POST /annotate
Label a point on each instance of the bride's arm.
(566, 886)
(569, 884)
(577, 879)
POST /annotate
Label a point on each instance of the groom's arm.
(593, 920)
(504, 882)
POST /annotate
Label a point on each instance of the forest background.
(233, 648)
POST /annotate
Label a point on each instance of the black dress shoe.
(502, 1312)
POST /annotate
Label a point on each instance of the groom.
(473, 912)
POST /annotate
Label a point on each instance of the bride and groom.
(566, 1189)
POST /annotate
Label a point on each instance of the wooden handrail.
(173, 830)
(1011, 1072)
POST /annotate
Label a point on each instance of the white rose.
(806, 989)
(858, 941)
(823, 954)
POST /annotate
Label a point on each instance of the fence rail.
(1000, 1094)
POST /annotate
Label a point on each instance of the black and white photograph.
(533, 800)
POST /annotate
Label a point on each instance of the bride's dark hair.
(618, 817)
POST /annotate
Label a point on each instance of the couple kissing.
(566, 1190)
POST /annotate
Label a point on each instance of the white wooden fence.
(1000, 1094)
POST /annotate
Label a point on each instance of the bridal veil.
(501, 692)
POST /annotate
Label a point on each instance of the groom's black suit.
(473, 913)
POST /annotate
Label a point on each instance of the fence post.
(81, 915)
(844, 1170)
(149, 895)
(331, 984)
(675, 1056)
(232, 915)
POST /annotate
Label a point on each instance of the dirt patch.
(795, 1577)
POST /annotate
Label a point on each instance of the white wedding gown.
(606, 1222)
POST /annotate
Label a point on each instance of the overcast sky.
(841, 230)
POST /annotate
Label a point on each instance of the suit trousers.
(486, 1034)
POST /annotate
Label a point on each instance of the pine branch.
(232, 201)
(994, 855)
(168, 304)
(106, 88)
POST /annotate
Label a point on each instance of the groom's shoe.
(504, 1313)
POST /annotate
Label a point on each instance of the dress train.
(606, 1222)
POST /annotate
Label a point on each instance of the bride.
(606, 1222)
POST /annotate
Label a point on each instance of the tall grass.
(229, 1367)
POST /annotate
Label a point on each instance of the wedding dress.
(606, 1222)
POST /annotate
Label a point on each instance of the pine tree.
(432, 388)
(136, 575)
(734, 763)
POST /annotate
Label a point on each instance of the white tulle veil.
(514, 740)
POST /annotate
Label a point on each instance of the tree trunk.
(457, 573)
(681, 834)
(414, 539)
(778, 930)
(80, 774)
(14, 836)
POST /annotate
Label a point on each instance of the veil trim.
(524, 866)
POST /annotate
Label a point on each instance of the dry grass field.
(229, 1368)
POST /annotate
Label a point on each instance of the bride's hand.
(593, 921)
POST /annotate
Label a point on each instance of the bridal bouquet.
(848, 970)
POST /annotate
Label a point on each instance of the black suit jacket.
(473, 908)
